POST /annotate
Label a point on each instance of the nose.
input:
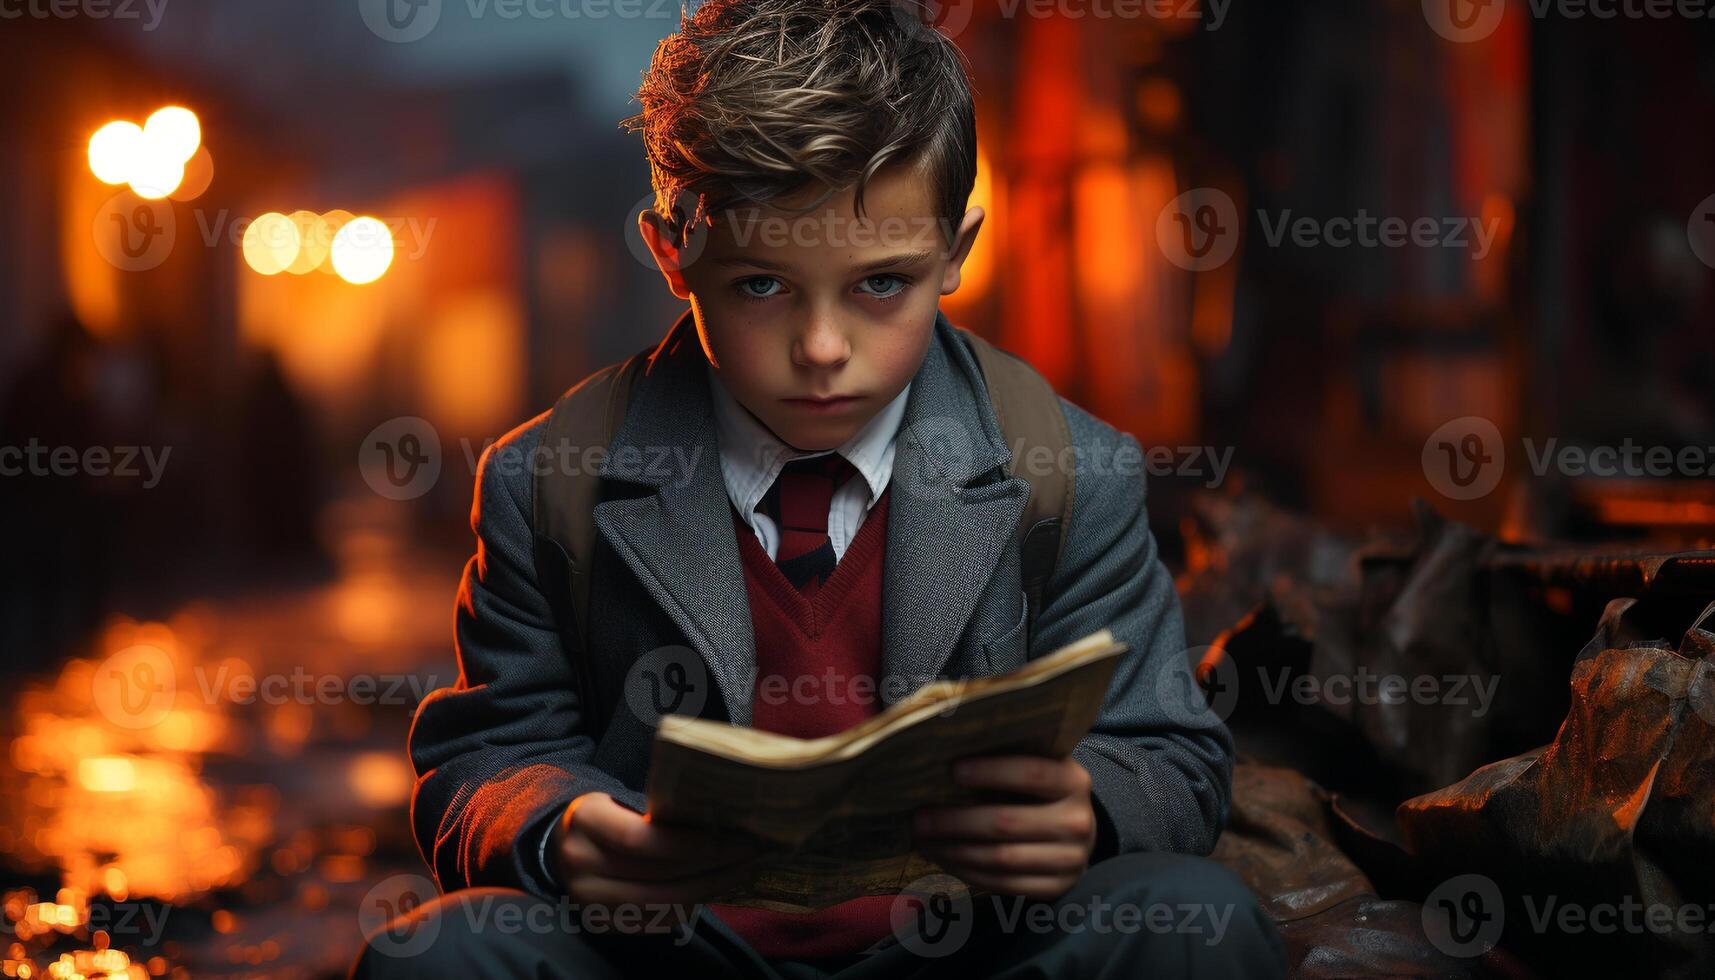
(822, 343)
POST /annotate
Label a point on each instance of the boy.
(838, 506)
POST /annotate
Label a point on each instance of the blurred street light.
(362, 250)
(152, 157)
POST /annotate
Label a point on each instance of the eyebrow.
(892, 261)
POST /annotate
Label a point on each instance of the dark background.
(492, 144)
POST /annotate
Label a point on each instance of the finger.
(1002, 821)
(1014, 858)
(1033, 775)
(616, 830)
(582, 856)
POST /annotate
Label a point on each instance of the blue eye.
(889, 278)
(743, 287)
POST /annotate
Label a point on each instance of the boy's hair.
(752, 100)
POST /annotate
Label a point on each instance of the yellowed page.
(843, 824)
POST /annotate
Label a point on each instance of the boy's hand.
(608, 854)
(1037, 848)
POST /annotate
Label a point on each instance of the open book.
(838, 808)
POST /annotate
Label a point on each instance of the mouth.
(824, 403)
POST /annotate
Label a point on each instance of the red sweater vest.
(808, 654)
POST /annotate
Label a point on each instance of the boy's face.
(815, 321)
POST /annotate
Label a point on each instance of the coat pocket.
(1007, 652)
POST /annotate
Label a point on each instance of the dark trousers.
(1136, 915)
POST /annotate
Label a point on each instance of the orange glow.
(199, 173)
(174, 131)
(362, 250)
(1491, 272)
(1159, 105)
(332, 222)
(976, 276)
(1037, 309)
(107, 774)
(154, 175)
(1133, 301)
(151, 158)
(111, 150)
(1106, 266)
(470, 357)
(381, 779)
(454, 249)
(111, 803)
(91, 282)
(114, 882)
(271, 243)
(314, 242)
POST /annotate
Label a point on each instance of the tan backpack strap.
(1034, 427)
(565, 497)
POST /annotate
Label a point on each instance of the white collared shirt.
(752, 457)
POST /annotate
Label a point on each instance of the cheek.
(896, 354)
(743, 355)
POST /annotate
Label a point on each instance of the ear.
(962, 242)
(663, 249)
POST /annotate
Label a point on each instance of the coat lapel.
(946, 527)
(678, 540)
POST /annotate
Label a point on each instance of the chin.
(814, 438)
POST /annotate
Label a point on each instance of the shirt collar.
(751, 456)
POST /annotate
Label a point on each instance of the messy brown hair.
(753, 100)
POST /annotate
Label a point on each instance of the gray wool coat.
(501, 753)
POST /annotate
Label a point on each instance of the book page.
(843, 826)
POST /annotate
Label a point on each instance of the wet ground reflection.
(214, 794)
